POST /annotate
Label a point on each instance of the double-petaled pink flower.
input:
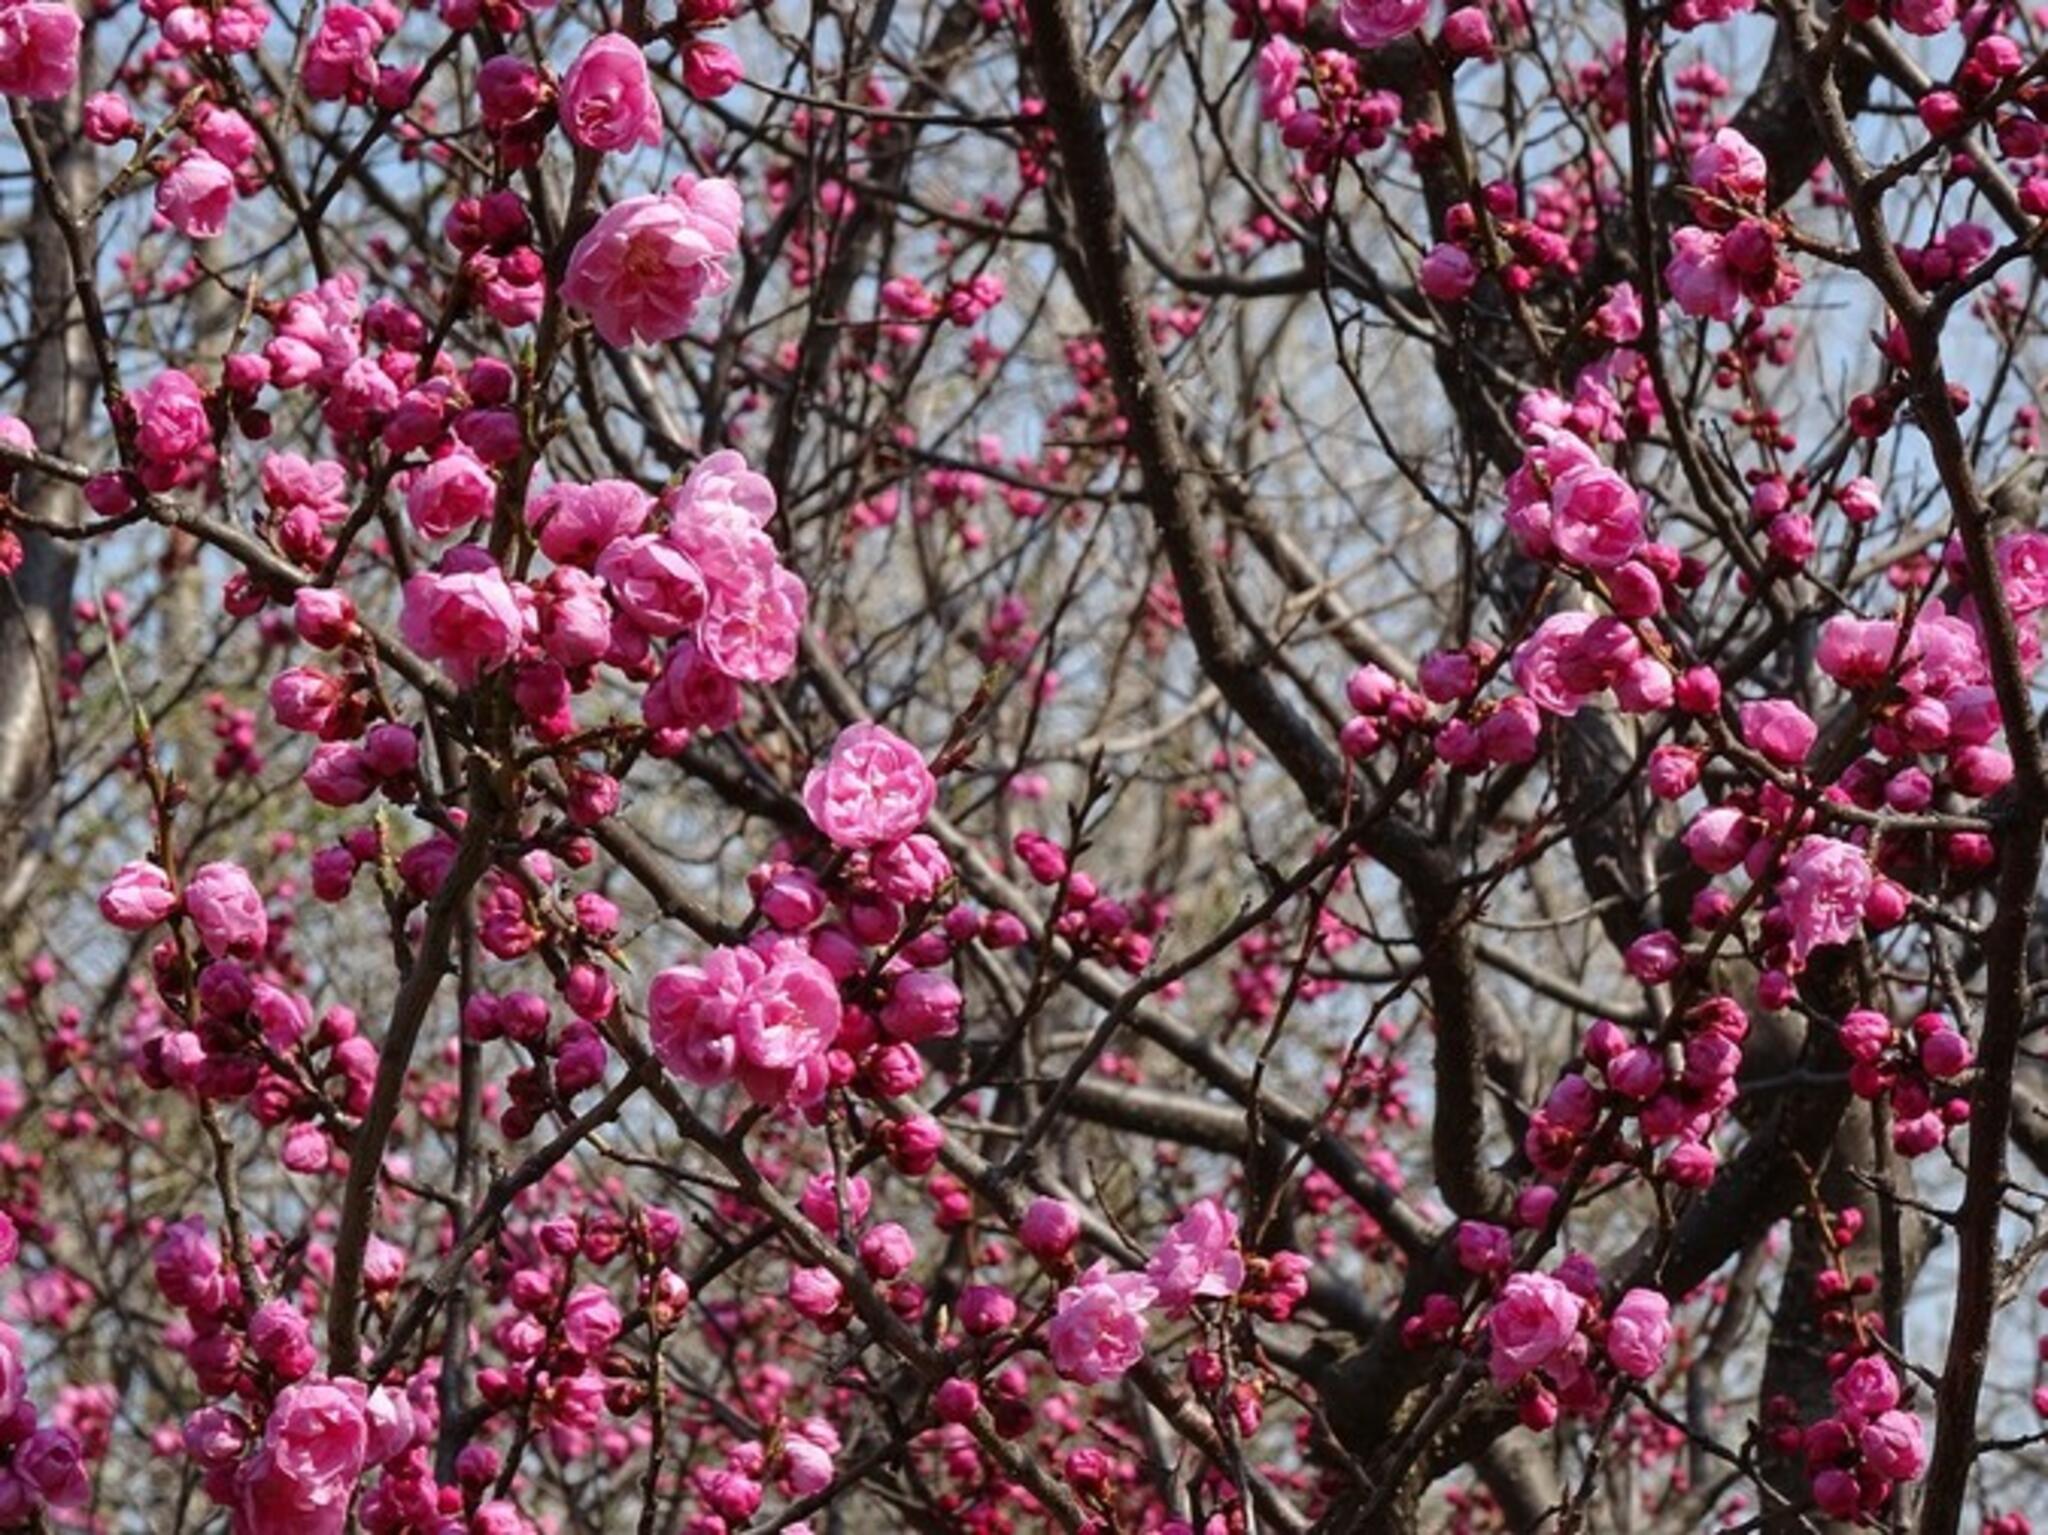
(646, 265)
(607, 102)
(873, 788)
(1097, 1331)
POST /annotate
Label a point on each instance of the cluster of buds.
(1911, 1067)
(1673, 1090)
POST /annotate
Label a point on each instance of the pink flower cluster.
(1912, 1069)
(1674, 1091)
(1322, 102)
(1542, 1332)
(767, 1016)
(42, 1465)
(1096, 1333)
(1734, 251)
(1858, 1455)
(1094, 923)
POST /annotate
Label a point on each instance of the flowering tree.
(1013, 765)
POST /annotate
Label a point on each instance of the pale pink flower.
(710, 69)
(1895, 1444)
(1924, 18)
(39, 50)
(753, 627)
(171, 430)
(575, 523)
(1098, 1327)
(449, 494)
(139, 897)
(1825, 887)
(314, 1449)
(1858, 653)
(465, 616)
(648, 262)
(789, 1013)
(722, 492)
(195, 196)
(1779, 729)
(1729, 167)
(1538, 661)
(1596, 519)
(873, 788)
(1533, 1322)
(1199, 1260)
(654, 583)
(1639, 1333)
(1699, 278)
(226, 910)
(770, 1018)
(341, 61)
(607, 101)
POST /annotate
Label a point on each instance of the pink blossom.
(754, 625)
(1278, 72)
(1825, 887)
(767, 1018)
(720, 492)
(1533, 1322)
(691, 694)
(108, 118)
(1049, 1229)
(341, 62)
(648, 262)
(1595, 518)
(39, 50)
(139, 897)
(304, 1475)
(654, 583)
(1448, 273)
(1729, 167)
(789, 1014)
(1098, 1327)
(195, 196)
(1779, 729)
(574, 524)
(171, 429)
(1198, 1260)
(465, 616)
(226, 910)
(710, 69)
(1893, 1443)
(873, 788)
(1858, 653)
(606, 101)
(1539, 661)
(1924, 18)
(52, 1462)
(1703, 284)
(922, 1005)
(1483, 1248)
(590, 1322)
(1639, 1333)
(449, 494)
(1375, 23)
(1868, 1387)
(912, 871)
